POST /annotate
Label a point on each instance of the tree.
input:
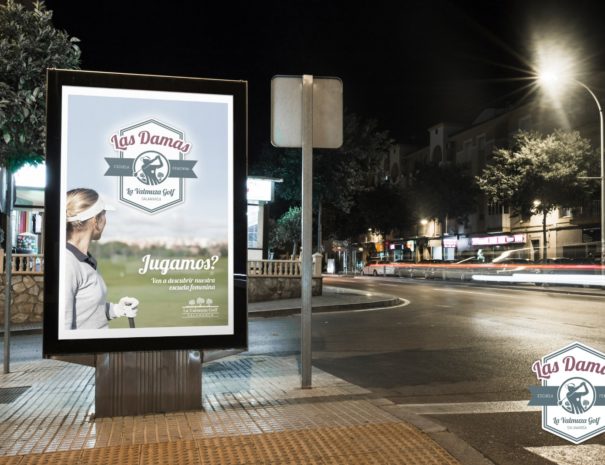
(29, 44)
(539, 174)
(287, 230)
(443, 192)
(384, 208)
(339, 176)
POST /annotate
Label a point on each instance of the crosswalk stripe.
(590, 454)
(470, 407)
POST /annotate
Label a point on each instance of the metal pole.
(319, 248)
(8, 274)
(307, 230)
(602, 194)
(602, 177)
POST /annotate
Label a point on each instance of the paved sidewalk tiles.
(253, 412)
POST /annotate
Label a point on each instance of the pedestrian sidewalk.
(253, 412)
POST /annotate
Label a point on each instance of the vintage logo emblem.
(151, 165)
(572, 393)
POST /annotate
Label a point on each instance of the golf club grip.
(131, 322)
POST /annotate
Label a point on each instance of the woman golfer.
(86, 305)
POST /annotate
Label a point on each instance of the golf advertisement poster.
(146, 210)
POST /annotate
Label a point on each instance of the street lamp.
(553, 78)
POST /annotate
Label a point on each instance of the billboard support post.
(307, 229)
(148, 382)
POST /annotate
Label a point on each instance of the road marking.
(458, 408)
(404, 303)
(449, 289)
(590, 454)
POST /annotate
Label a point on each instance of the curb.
(22, 331)
(327, 308)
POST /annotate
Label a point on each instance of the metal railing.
(23, 263)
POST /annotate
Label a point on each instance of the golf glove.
(127, 306)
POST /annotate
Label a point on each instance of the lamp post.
(602, 177)
(552, 79)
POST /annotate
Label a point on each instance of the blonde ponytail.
(78, 200)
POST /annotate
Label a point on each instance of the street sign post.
(306, 113)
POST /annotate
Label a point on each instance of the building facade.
(573, 231)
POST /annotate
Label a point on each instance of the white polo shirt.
(86, 293)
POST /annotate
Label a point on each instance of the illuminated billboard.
(146, 213)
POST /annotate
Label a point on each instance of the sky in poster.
(92, 120)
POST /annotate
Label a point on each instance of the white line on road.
(449, 289)
(458, 408)
(590, 454)
(403, 303)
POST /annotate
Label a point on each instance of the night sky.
(408, 64)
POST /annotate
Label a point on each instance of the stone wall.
(262, 288)
(27, 297)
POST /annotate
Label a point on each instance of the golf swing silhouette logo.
(151, 168)
(576, 395)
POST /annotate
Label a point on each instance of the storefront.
(27, 216)
(493, 246)
(260, 194)
(402, 250)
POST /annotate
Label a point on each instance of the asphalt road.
(459, 354)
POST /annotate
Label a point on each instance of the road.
(459, 354)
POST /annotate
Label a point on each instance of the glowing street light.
(553, 75)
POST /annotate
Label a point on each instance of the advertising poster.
(146, 214)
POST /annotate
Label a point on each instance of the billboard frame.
(56, 80)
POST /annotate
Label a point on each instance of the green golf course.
(168, 300)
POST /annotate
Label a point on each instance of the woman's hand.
(127, 306)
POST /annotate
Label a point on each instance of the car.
(378, 268)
